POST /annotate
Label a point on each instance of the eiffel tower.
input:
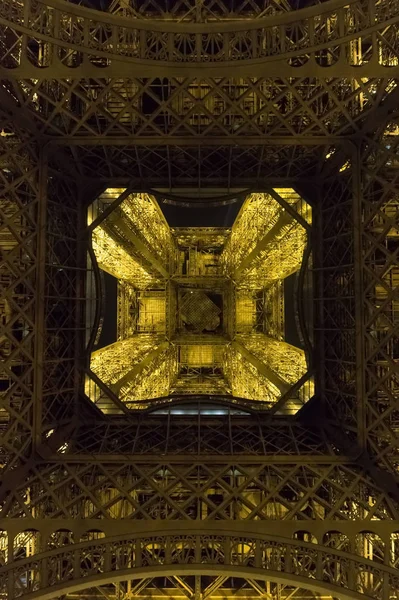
(199, 236)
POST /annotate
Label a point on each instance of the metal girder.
(138, 368)
(105, 213)
(189, 340)
(117, 220)
(189, 488)
(248, 140)
(162, 46)
(264, 369)
(283, 220)
(385, 481)
(259, 438)
(181, 554)
(173, 469)
(121, 69)
(9, 105)
(289, 208)
(40, 301)
(379, 114)
(374, 119)
(358, 290)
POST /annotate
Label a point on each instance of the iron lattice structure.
(200, 96)
(194, 304)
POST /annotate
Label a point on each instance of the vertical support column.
(81, 250)
(40, 298)
(318, 274)
(358, 289)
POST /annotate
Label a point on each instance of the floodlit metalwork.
(228, 487)
(202, 267)
(113, 258)
(246, 380)
(114, 362)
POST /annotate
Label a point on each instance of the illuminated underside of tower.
(200, 311)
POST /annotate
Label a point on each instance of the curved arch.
(139, 41)
(90, 535)
(109, 19)
(147, 573)
(99, 298)
(336, 539)
(25, 543)
(272, 558)
(370, 545)
(305, 536)
(60, 537)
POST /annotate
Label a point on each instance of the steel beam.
(117, 220)
(284, 219)
(265, 370)
(359, 296)
(40, 326)
(200, 140)
(120, 69)
(136, 370)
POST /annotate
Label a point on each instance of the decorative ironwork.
(56, 34)
(168, 100)
(133, 242)
(252, 556)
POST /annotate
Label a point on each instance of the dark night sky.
(213, 216)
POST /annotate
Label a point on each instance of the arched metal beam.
(113, 43)
(197, 552)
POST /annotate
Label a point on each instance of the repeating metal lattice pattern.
(323, 568)
(88, 114)
(19, 163)
(63, 35)
(379, 273)
(154, 109)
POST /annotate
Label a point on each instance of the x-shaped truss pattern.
(154, 110)
(327, 127)
(19, 215)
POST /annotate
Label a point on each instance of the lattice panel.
(299, 561)
(198, 311)
(246, 381)
(192, 10)
(286, 360)
(199, 491)
(19, 195)
(113, 258)
(153, 381)
(380, 310)
(114, 362)
(222, 166)
(282, 257)
(211, 588)
(64, 299)
(38, 35)
(335, 328)
(256, 218)
(175, 108)
(220, 437)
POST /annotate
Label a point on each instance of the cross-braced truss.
(197, 96)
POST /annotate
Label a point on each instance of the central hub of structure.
(199, 310)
